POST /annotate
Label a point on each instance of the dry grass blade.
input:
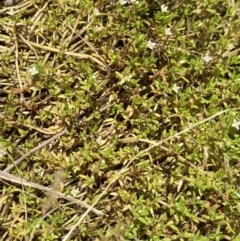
(21, 181)
(11, 10)
(55, 50)
(15, 163)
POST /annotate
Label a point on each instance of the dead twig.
(15, 163)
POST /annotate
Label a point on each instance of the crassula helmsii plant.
(122, 76)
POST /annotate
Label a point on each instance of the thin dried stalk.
(15, 163)
(14, 179)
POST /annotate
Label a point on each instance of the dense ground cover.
(145, 96)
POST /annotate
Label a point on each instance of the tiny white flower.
(98, 28)
(122, 2)
(96, 12)
(164, 8)
(236, 124)
(207, 58)
(103, 161)
(151, 45)
(100, 141)
(168, 31)
(2, 152)
(39, 171)
(75, 192)
(175, 88)
(33, 70)
(136, 148)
